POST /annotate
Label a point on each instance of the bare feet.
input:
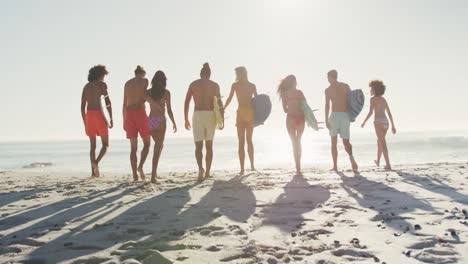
(153, 180)
(201, 172)
(96, 170)
(207, 175)
(142, 174)
(335, 169)
(299, 173)
(388, 168)
(241, 173)
(377, 163)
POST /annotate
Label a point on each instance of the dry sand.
(415, 214)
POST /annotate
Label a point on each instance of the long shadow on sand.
(434, 185)
(298, 198)
(389, 203)
(166, 217)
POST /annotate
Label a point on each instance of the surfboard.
(309, 116)
(217, 113)
(262, 106)
(104, 111)
(355, 103)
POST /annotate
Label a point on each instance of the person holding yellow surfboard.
(204, 121)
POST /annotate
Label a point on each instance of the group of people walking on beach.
(207, 97)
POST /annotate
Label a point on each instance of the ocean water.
(271, 151)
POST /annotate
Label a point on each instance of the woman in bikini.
(245, 91)
(379, 106)
(292, 99)
(159, 98)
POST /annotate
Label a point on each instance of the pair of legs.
(349, 150)
(208, 158)
(133, 156)
(158, 136)
(244, 133)
(381, 132)
(295, 130)
(92, 153)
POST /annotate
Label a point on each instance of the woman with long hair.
(292, 99)
(159, 99)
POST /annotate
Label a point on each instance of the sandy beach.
(415, 214)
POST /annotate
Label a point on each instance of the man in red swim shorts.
(93, 117)
(136, 120)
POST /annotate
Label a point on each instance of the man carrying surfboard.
(338, 122)
(92, 113)
(203, 124)
(245, 91)
(136, 120)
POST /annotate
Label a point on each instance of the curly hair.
(378, 87)
(96, 72)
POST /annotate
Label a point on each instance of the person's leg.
(299, 132)
(293, 136)
(382, 133)
(158, 137)
(133, 157)
(379, 147)
(209, 157)
(349, 150)
(105, 145)
(92, 154)
(250, 146)
(199, 157)
(241, 139)
(143, 156)
(334, 151)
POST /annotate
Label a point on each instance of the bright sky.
(418, 48)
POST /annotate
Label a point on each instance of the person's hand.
(327, 124)
(393, 130)
(363, 124)
(187, 125)
(174, 128)
(222, 126)
(111, 123)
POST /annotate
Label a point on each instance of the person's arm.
(124, 105)
(83, 107)
(169, 111)
(188, 97)
(285, 105)
(231, 94)
(371, 110)
(108, 103)
(327, 109)
(390, 117)
(220, 103)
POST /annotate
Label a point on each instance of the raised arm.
(327, 109)
(231, 94)
(371, 110)
(169, 110)
(83, 107)
(108, 103)
(220, 103)
(188, 97)
(390, 117)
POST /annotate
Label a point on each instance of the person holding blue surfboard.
(245, 120)
(204, 120)
(93, 116)
(339, 121)
(292, 99)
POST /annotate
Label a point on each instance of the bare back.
(203, 91)
(244, 93)
(338, 94)
(157, 108)
(134, 93)
(92, 93)
(380, 105)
